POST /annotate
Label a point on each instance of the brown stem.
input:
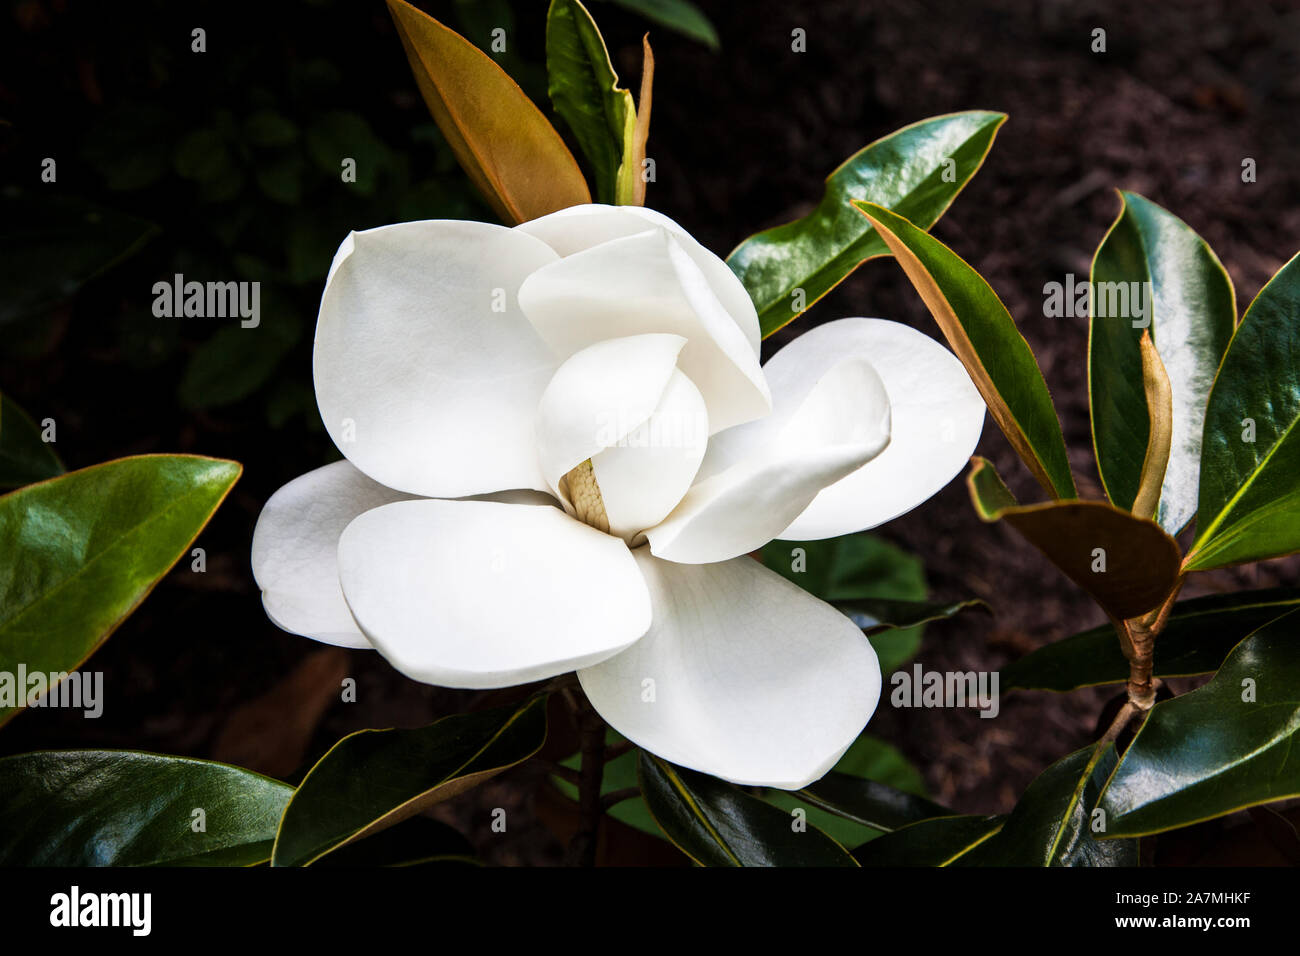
(1138, 640)
(614, 751)
(591, 731)
(615, 797)
(567, 774)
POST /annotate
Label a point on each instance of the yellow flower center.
(588, 506)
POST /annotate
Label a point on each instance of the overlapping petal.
(600, 395)
(582, 227)
(643, 283)
(295, 550)
(484, 594)
(937, 418)
(645, 475)
(427, 373)
(757, 478)
(742, 675)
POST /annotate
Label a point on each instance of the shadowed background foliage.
(224, 165)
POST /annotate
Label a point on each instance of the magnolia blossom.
(560, 450)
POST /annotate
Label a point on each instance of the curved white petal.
(482, 594)
(645, 475)
(600, 395)
(295, 550)
(742, 675)
(427, 374)
(938, 415)
(582, 227)
(648, 283)
(759, 477)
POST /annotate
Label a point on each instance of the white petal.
(427, 374)
(938, 415)
(482, 594)
(295, 550)
(582, 227)
(645, 475)
(648, 283)
(743, 675)
(600, 395)
(759, 477)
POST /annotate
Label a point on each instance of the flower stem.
(591, 731)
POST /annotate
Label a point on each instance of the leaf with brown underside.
(512, 153)
(1141, 562)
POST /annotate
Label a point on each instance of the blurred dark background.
(224, 165)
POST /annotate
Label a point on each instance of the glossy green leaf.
(24, 456)
(1128, 564)
(853, 569)
(940, 841)
(1229, 745)
(681, 16)
(1190, 312)
(872, 789)
(52, 244)
(584, 90)
(510, 151)
(917, 171)
(1197, 637)
(716, 824)
(120, 808)
(1250, 460)
(982, 334)
(78, 553)
(374, 779)
(1053, 823)
(417, 842)
(876, 616)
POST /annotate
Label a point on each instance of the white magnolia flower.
(561, 449)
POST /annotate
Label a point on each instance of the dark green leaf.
(119, 808)
(237, 361)
(1250, 461)
(51, 245)
(716, 824)
(1197, 637)
(878, 615)
(983, 335)
(1054, 823)
(1229, 745)
(78, 553)
(940, 841)
(584, 90)
(1191, 317)
(339, 135)
(373, 779)
(24, 456)
(907, 171)
(419, 841)
(680, 15)
(269, 129)
(872, 785)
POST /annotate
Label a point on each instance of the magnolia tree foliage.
(566, 470)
